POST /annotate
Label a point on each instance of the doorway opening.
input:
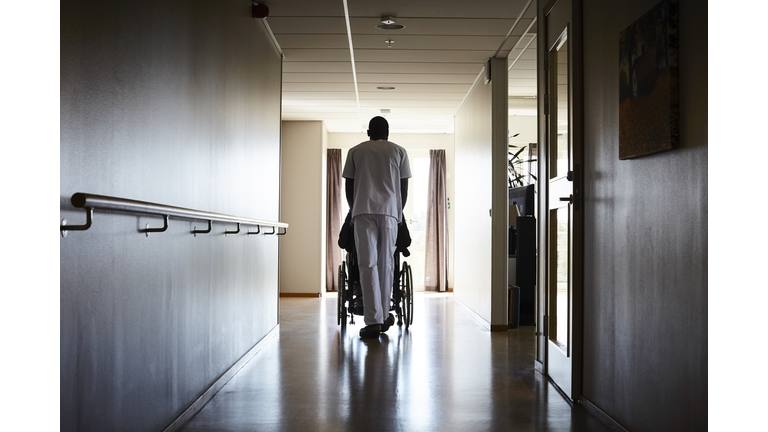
(415, 214)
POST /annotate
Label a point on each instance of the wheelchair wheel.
(406, 282)
(408, 296)
(402, 311)
(341, 318)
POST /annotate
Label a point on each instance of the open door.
(562, 256)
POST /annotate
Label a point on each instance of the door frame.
(575, 38)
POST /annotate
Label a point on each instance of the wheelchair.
(350, 295)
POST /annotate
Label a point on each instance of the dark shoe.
(389, 322)
(370, 332)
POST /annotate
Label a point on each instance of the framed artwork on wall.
(648, 83)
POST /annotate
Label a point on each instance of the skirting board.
(597, 413)
(483, 323)
(206, 397)
(312, 295)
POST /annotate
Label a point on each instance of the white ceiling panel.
(413, 42)
(491, 26)
(444, 55)
(390, 68)
(408, 96)
(523, 91)
(317, 41)
(416, 78)
(379, 78)
(383, 95)
(365, 87)
(525, 65)
(419, 68)
(432, 62)
(341, 112)
(418, 87)
(321, 77)
(317, 54)
(522, 74)
(522, 82)
(431, 8)
(317, 95)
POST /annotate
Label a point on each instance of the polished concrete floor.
(446, 373)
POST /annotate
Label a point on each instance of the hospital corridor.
(445, 373)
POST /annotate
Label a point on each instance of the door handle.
(569, 199)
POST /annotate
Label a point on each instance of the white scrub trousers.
(375, 237)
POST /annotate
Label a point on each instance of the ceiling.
(432, 62)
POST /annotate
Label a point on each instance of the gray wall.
(175, 102)
(645, 347)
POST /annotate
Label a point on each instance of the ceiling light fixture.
(389, 43)
(388, 23)
(385, 88)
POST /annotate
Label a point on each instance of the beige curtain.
(436, 256)
(333, 218)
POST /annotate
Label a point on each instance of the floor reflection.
(445, 373)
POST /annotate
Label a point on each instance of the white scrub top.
(377, 168)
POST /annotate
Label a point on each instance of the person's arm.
(349, 187)
(404, 190)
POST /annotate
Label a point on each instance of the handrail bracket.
(151, 230)
(88, 219)
(196, 231)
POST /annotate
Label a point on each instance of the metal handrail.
(89, 202)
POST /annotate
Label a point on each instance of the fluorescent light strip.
(352, 57)
(513, 26)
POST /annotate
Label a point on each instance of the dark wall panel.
(174, 102)
(645, 347)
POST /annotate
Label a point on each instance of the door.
(563, 207)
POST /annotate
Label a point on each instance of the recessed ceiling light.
(385, 88)
(388, 23)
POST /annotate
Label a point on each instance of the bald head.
(378, 128)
